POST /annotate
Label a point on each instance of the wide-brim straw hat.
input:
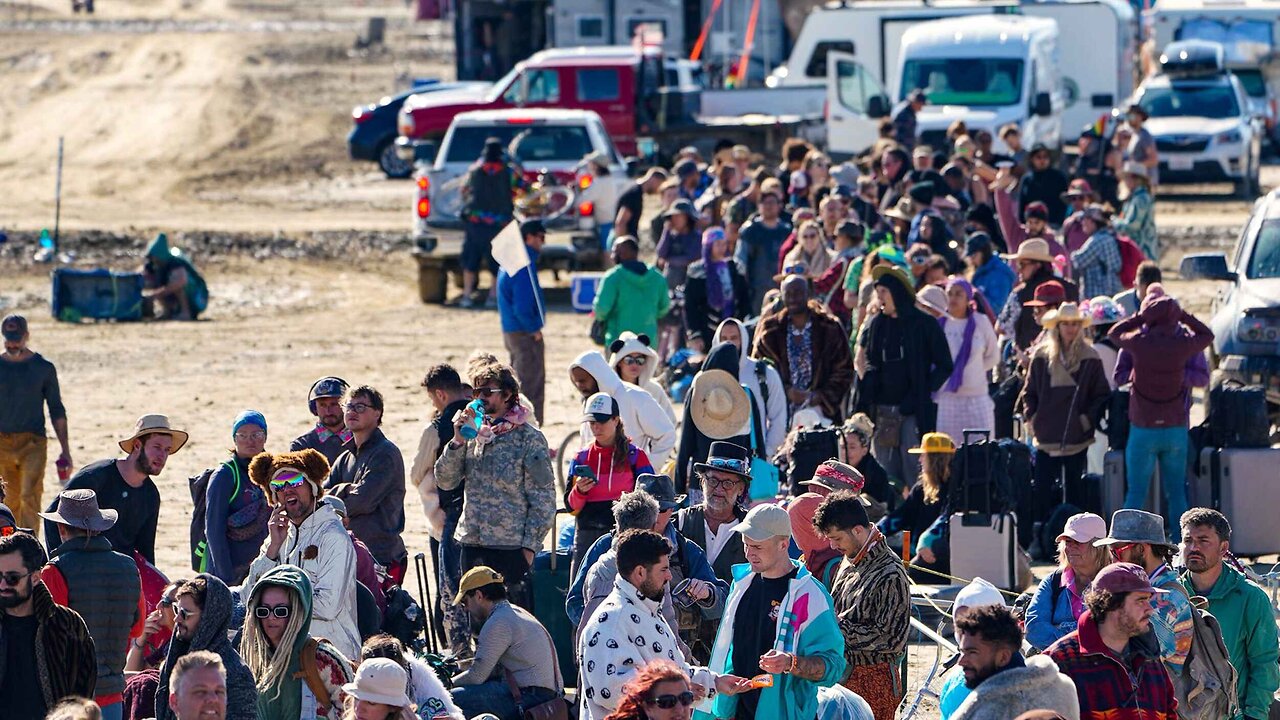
(152, 425)
(719, 406)
(1066, 312)
(1032, 249)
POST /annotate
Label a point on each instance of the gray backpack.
(1207, 687)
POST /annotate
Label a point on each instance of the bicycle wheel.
(564, 455)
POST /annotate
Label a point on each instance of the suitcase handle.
(967, 433)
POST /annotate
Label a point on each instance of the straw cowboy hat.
(1033, 249)
(901, 211)
(79, 509)
(1066, 312)
(720, 407)
(154, 425)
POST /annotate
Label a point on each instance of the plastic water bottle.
(471, 429)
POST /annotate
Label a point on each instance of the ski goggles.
(287, 478)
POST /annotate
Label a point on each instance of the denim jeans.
(495, 697)
(457, 626)
(1168, 448)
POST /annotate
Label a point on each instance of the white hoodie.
(633, 346)
(775, 415)
(644, 420)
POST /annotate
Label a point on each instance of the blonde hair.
(269, 666)
(935, 470)
(1069, 357)
(1101, 555)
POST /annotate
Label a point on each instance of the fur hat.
(312, 464)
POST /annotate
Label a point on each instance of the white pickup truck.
(548, 145)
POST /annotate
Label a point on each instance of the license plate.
(1181, 162)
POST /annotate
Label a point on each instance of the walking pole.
(424, 597)
(57, 201)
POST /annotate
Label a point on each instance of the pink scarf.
(518, 415)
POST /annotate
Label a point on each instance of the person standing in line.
(85, 575)
(1159, 402)
(632, 296)
(1112, 657)
(236, 510)
(28, 382)
(369, 478)
(964, 401)
(1242, 608)
(631, 202)
(760, 241)
(1058, 600)
(1096, 265)
(1141, 147)
(199, 689)
(509, 498)
(330, 437)
(443, 507)
(125, 486)
(763, 382)
(807, 344)
(872, 601)
(904, 118)
(46, 652)
(522, 311)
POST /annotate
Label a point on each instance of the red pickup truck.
(650, 104)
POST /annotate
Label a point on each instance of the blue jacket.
(695, 560)
(1048, 621)
(520, 303)
(995, 279)
(227, 559)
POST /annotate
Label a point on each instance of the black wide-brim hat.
(727, 457)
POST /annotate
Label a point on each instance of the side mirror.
(1043, 105)
(877, 106)
(1206, 266)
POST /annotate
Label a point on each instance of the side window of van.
(817, 66)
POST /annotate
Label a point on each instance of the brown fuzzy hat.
(310, 462)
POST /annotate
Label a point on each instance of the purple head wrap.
(719, 281)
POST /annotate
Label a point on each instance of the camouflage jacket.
(509, 500)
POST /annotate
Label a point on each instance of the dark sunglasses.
(666, 702)
(485, 391)
(184, 613)
(637, 360)
(265, 611)
(13, 578)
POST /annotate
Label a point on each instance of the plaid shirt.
(1096, 265)
(1108, 688)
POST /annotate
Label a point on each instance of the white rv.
(862, 40)
(986, 71)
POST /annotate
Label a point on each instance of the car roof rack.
(1192, 58)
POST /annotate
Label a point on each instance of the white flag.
(509, 250)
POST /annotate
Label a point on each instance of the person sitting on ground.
(1002, 684)
(203, 609)
(513, 648)
(330, 435)
(1059, 598)
(236, 510)
(715, 290)
(306, 532)
(379, 692)
(172, 282)
(601, 473)
(296, 674)
(636, 363)
(1112, 657)
(49, 654)
(425, 688)
(978, 593)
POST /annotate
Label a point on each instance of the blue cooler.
(582, 289)
(96, 294)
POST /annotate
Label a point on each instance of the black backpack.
(405, 619)
(1238, 417)
(199, 486)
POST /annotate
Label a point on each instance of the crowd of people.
(900, 300)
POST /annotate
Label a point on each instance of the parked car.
(373, 133)
(1201, 121)
(1246, 311)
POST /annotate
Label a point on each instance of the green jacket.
(627, 300)
(1249, 631)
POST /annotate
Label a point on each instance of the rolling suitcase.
(1241, 483)
(1238, 417)
(1115, 484)
(549, 578)
(984, 542)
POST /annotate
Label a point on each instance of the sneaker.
(466, 302)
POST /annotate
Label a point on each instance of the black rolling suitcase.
(983, 535)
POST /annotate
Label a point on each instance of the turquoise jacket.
(1249, 631)
(806, 626)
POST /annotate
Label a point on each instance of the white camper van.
(986, 71)
(862, 41)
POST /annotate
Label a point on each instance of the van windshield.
(529, 144)
(1207, 101)
(972, 82)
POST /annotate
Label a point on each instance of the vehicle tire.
(564, 454)
(391, 164)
